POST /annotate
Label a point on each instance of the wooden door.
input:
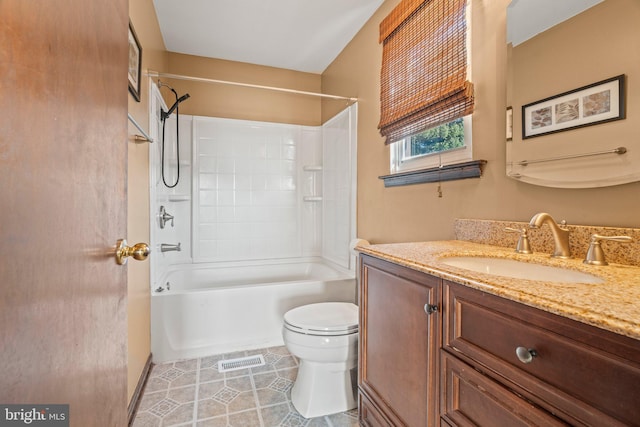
(63, 105)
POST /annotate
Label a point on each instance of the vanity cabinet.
(399, 343)
(523, 366)
(433, 352)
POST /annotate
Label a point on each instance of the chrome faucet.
(165, 247)
(560, 235)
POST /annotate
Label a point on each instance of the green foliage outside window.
(441, 138)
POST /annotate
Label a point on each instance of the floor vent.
(240, 363)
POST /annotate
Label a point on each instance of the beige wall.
(142, 16)
(384, 214)
(415, 212)
(218, 100)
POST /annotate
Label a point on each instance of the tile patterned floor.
(193, 393)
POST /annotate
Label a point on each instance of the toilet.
(324, 338)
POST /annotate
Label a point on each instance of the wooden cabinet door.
(399, 341)
(370, 416)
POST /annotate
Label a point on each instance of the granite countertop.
(613, 305)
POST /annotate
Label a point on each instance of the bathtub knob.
(139, 251)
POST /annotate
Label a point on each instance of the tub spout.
(560, 235)
(166, 247)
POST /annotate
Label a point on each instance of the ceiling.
(301, 35)
(527, 18)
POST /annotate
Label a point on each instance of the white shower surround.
(250, 202)
(249, 190)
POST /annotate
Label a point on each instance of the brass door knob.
(139, 251)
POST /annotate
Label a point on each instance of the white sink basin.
(520, 270)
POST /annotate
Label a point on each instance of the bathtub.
(221, 309)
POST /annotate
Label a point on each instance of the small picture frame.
(596, 103)
(135, 63)
(509, 130)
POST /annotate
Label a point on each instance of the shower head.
(166, 114)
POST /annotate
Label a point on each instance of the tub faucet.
(560, 235)
(165, 247)
(164, 217)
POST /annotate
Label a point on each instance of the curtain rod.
(151, 73)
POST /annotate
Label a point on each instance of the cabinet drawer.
(573, 369)
(471, 399)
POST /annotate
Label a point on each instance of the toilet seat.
(323, 319)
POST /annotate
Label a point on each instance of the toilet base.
(324, 388)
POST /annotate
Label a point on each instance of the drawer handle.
(526, 355)
(430, 308)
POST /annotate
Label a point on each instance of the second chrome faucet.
(562, 249)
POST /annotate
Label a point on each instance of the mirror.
(574, 90)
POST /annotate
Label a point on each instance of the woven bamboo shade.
(424, 67)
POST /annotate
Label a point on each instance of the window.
(444, 144)
(445, 137)
(426, 97)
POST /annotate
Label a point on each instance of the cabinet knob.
(525, 355)
(430, 308)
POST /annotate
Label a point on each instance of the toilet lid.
(327, 318)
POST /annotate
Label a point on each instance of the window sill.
(472, 169)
